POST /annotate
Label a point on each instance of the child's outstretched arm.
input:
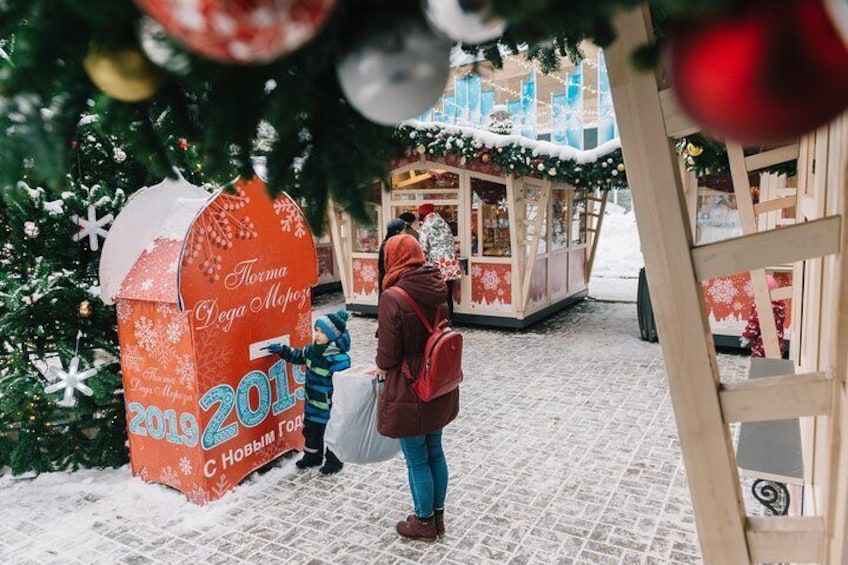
(290, 354)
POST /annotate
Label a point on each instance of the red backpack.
(441, 369)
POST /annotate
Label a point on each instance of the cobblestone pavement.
(565, 451)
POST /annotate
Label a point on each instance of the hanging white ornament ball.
(395, 71)
(159, 48)
(31, 230)
(468, 21)
(119, 155)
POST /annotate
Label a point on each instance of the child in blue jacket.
(327, 354)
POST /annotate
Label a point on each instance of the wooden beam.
(785, 539)
(761, 250)
(541, 216)
(782, 293)
(772, 157)
(677, 122)
(688, 352)
(590, 261)
(748, 219)
(774, 204)
(776, 398)
(341, 249)
(413, 179)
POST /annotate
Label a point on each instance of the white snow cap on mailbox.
(149, 230)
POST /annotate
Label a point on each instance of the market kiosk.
(524, 234)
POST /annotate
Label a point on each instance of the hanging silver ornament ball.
(468, 21)
(159, 48)
(395, 70)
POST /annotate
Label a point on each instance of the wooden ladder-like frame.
(705, 407)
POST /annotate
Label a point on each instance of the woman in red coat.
(402, 336)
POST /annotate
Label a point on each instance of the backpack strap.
(427, 325)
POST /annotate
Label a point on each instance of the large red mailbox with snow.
(203, 283)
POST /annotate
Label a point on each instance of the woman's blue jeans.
(428, 472)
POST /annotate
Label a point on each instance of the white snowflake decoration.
(145, 333)
(185, 370)
(291, 219)
(476, 271)
(169, 475)
(174, 331)
(69, 381)
(490, 280)
(92, 227)
(369, 274)
(185, 466)
(722, 291)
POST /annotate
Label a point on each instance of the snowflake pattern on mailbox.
(203, 283)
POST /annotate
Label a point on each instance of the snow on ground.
(618, 258)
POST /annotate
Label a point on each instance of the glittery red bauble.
(183, 143)
(240, 31)
(765, 74)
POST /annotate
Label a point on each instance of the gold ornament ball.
(694, 150)
(124, 74)
(620, 167)
(485, 158)
(85, 309)
(421, 149)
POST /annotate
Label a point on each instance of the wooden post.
(596, 233)
(541, 216)
(759, 279)
(666, 237)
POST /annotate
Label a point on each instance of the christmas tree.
(323, 146)
(60, 385)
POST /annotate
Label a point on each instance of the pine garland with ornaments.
(599, 168)
(60, 386)
(219, 69)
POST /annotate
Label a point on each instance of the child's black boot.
(309, 460)
(332, 464)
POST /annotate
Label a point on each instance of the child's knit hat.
(333, 324)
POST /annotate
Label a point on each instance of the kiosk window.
(489, 219)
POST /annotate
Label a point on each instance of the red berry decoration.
(240, 31)
(183, 143)
(767, 73)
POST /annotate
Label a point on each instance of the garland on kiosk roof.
(599, 168)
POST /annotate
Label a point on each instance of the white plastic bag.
(352, 430)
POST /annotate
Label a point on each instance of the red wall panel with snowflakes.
(206, 404)
(364, 277)
(728, 301)
(491, 286)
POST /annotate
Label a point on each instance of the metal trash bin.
(644, 311)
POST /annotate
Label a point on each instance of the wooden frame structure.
(729, 300)
(704, 406)
(548, 233)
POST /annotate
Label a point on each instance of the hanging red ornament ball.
(765, 74)
(240, 31)
(183, 143)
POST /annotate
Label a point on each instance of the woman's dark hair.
(407, 217)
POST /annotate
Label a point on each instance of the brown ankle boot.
(440, 522)
(416, 528)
